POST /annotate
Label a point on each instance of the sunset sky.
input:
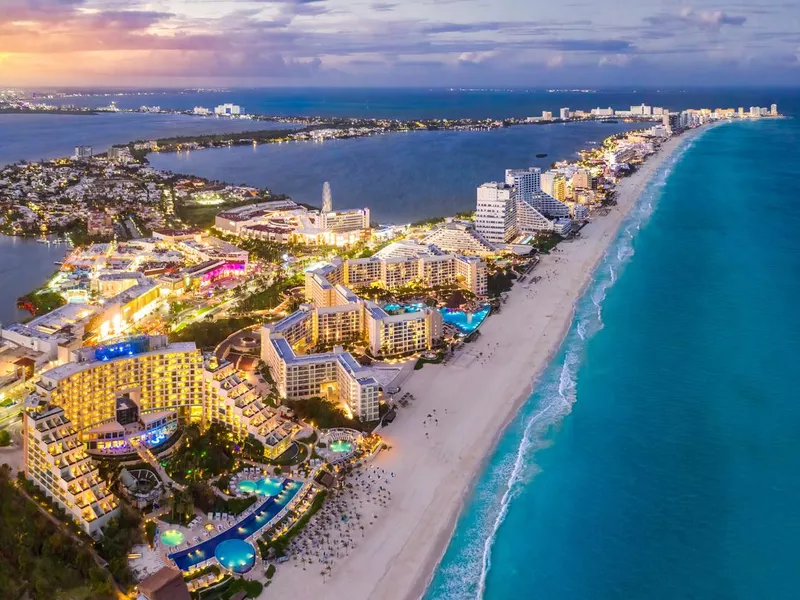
(403, 42)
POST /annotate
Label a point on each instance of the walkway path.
(147, 456)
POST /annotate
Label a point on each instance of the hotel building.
(345, 220)
(55, 460)
(404, 333)
(334, 375)
(112, 399)
(496, 212)
(525, 182)
(469, 272)
(460, 238)
(99, 386)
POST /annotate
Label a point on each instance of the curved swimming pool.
(172, 537)
(266, 486)
(236, 555)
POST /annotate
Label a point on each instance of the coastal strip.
(439, 445)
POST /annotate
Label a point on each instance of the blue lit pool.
(466, 323)
(236, 555)
(392, 308)
(341, 446)
(186, 559)
(267, 486)
(172, 537)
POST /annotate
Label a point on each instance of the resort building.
(230, 400)
(345, 220)
(134, 392)
(410, 248)
(99, 384)
(525, 182)
(496, 212)
(459, 238)
(468, 272)
(55, 460)
(334, 375)
(205, 248)
(404, 333)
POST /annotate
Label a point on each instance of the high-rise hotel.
(111, 399)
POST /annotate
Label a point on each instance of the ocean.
(422, 103)
(401, 177)
(46, 136)
(25, 265)
(657, 458)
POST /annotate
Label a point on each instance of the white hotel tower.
(496, 212)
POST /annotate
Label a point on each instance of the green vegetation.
(208, 334)
(150, 532)
(289, 458)
(41, 301)
(270, 572)
(421, 362)
(202, 456)
(229, 587)
(271, 296)
(545, 242)
(5, 438)
(428, 222)
(181, 509)
(279, 544)
(79, 235)
(40, 559)
(202, 573)
(119, 536)
(324, 414)
(224, 483)
(500, 282)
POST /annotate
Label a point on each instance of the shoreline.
(436, 474)
(421, 585)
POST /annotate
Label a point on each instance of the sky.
(468, 43)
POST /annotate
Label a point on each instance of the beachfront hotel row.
(133, 392)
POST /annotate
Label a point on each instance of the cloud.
(710, 20)
(383, 6)
(615, 60)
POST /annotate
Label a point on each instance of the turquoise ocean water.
(659, 456)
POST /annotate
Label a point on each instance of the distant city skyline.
(413, 43)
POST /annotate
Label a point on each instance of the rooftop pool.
(236, 555)
(189, 558)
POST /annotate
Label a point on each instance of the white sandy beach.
(474, 397)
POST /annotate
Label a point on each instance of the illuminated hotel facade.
(468, 272)
(56, 461)
(133, 392)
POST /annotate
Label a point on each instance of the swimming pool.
(172, 537)
(267, 486)
(236, 555)
(186, 559)
(466, 323)
(341, 446)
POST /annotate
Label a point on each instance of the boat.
(609, 121)
(541, 155)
